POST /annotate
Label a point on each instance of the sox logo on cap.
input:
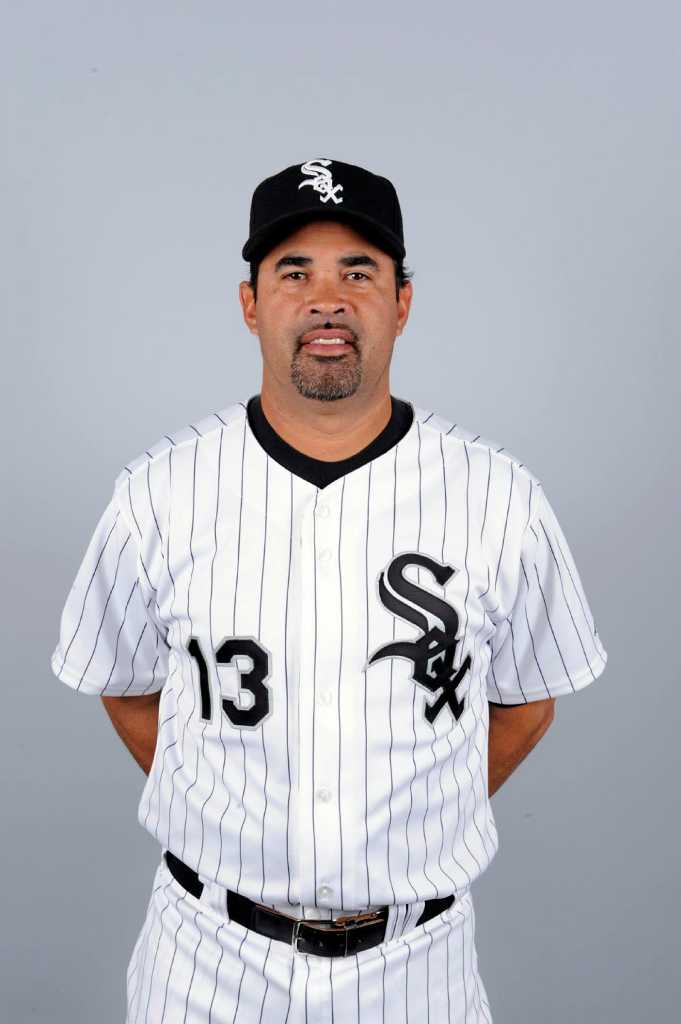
(322, 180)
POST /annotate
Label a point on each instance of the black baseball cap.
(322, 188)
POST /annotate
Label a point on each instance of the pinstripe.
(331, 986)
(428, 989)
(151, 506)
(562, 587)
(167, 556)
(448, 982)
(515, 663)
(241, 977)
(314, 686)
(461, 814)
(191, 633)
(236, 590)
(184, 677)
(406, 983)
(471, 735)
(364, 684)
(550, 625)
(382, 956)
(118, 636)
(172, 959)
(139, 531)
(87, 591)
(236, 587)
(217, 970)
(338, 701)
(150, 921)
(267, 984)
(483, 1005)
(191, 979)
(290, 983)
(413, 700)
(307, 978)
(212, 646)
(160, 730)
(585, 612)
(139, 953)
(106, 605)
(449, 741)
(152, 684)
(134, 653)
(391, 792)
(262, 731)
(503, 539)
(286, 688)
(463, 969)
(424, 816)
(489, 477)
(150, 985)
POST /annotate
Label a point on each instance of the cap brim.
(260, 243)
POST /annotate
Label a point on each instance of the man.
(328, 624)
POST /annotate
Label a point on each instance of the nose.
(326, 296)
(326, 309)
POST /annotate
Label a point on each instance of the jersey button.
(322, 511)
(325, 697)
(324, 892)
(325, 554)
(324, 795)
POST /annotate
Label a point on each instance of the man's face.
(325, 281)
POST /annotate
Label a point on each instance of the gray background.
(535, 148)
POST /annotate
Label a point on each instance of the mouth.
(328, 341)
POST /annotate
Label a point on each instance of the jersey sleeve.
(548, 645)
(110, 639)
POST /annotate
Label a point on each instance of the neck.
(327, 430)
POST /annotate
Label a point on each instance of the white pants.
(192, 965)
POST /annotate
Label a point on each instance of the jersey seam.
(483, 445)
(127, 472)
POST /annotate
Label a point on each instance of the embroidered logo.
(321, 180)
(433, 654)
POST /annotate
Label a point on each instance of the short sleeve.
(110, 641)
(548, 645)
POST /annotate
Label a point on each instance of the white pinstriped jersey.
(326, 655)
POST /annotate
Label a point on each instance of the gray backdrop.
(536, 151)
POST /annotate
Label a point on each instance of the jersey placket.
(320, 646)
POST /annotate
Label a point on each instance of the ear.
(247, 300)
(404, 298)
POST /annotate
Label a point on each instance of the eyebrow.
(357, 260)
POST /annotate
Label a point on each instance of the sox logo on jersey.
(433, 654)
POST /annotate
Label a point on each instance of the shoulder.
(457, 439)
(205, 429)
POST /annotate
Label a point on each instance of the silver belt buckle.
(296, 934)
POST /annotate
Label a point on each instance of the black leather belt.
(343, 937)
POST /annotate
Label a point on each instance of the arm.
(513, 731)
(135, 719)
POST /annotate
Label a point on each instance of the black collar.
(317, 471)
